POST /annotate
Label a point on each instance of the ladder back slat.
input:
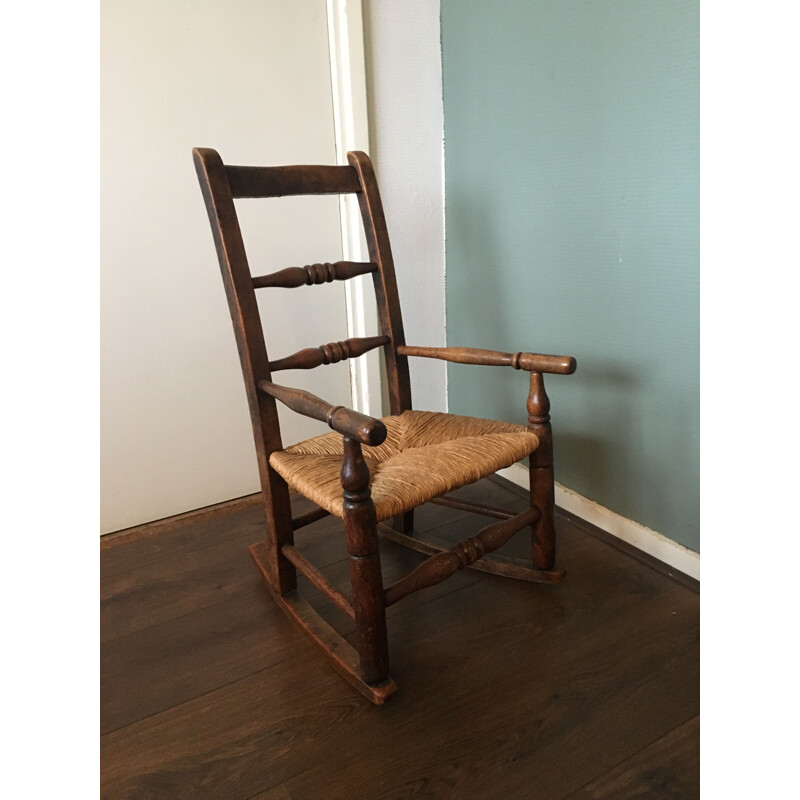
(284, 181)
(330, 353)
(292, 277)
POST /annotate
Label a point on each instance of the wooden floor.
(584, 690)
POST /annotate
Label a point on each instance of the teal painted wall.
(572, 218)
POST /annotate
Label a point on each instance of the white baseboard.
(648, 541)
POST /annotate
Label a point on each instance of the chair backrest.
(221, 185)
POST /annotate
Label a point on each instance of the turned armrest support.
(530, 362)
(360, 427)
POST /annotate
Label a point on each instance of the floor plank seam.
(197, 697)
(232, 595)
(226, 712)
(136, 533)
(400, 611)
(194, 610)
(629, 756)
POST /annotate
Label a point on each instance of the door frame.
(351, 131)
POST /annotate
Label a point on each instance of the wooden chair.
(370, 470)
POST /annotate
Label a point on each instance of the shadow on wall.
(593, 410)
(588, 425)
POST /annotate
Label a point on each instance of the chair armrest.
(360, 427)
(530, 362)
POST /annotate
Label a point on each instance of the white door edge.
(351, 131)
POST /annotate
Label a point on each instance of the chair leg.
(404, 523)
(281, 573)
(365, 566)
(543, 543)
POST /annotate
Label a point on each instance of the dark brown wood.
(441, 566)
(380, 251)
(331, 353)
(475, 508)
(308, 570)
(634, 552)
(343, 420)
(342, 656)
(284, 181)
(127, 535)
(308, 517)
(560, 365)
(361, 534)
(177, 658)
(216, 189)
(542, 484)
(230, 702)
(292, 277)
(404, 522)
(493, 564)
(277, 558)
(667, 768)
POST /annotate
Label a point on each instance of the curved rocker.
(412, 457)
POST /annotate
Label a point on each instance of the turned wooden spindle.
(530, 362)
(343, 420)
(314, 274)
(365, 667)
(365, 565)
(541, 475)
(330, 353)
(440, 567)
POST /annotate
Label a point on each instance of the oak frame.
(366, 667)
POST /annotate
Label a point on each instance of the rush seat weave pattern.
(425, 454)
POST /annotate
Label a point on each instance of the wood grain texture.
(318, 580)
(667, 769)
(540, 692)
(475, 508)
(292, 180)
(385, 282)
(217, 193)
(361, 537)
(345, 659)
(467, 552)
(494, 564)
(343, 420)
(311, 274)
(278, 558)
(530, 362)
(331, 353)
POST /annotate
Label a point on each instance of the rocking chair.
(370, 470)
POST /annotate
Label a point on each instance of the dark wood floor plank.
(159, 542)
(639, 555)
(234, 742)
(536, 706)
(542, 689)
(138, 599)
(155, 543)
(157, 668)
(158, 664)
(506, 689)
(458, 735)
(142, 596)
(668, 769)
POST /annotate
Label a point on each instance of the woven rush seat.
(425, 455)
(368, 469)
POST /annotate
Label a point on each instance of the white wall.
(250, 78)
(404, 84)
